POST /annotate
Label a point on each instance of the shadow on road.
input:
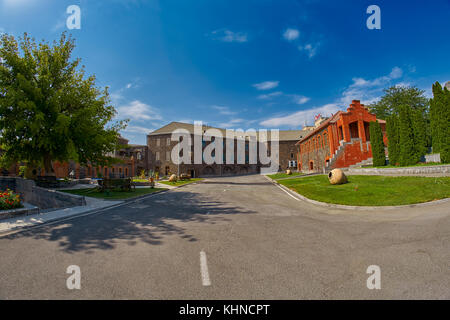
(148, 221)
(224, 182)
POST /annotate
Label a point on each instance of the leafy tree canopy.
(49, 110)
(396, 96)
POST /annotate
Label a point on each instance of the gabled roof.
(284, 135)
(334, 118)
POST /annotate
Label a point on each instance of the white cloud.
(266, 85)
(229, 36)
(396, 73)
(367, 91)
(223, 110)
(309, 49)
(270, 95)
(298, 99)
(299, 118)
(17, 3)
(233, 123)
(137, 110)
(291, 34)
(138, 129)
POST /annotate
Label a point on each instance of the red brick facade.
(340, 141)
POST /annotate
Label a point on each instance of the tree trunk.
(48, 166)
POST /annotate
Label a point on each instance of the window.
(292, 155)
(168, 141)
(157, 156)
(167, 155)
(158, 142)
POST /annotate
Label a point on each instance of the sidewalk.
(36, 219)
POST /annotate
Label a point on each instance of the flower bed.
(9, 200)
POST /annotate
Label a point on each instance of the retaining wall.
(405, 170)
(41, 197)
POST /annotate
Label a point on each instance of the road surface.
(232, 238)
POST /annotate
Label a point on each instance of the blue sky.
(244, 64)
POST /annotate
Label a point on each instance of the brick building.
(133, 159)
(160, 146)
(339, 141)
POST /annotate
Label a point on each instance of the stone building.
(339, 141)
(160, 147)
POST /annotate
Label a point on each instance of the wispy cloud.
(226, 35)
(298, 99)
(224, 110)
(269, 96)
(266, 85)
(309, 48)
(299, 118)
(17, 3)
(291, 34)
(137, 110)
(138, 129)
(368, 91)
(233, 123)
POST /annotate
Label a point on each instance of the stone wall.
(41, 197)
(435, 157)
(405, 170)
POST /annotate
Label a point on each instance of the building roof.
(333, 119)
(284, 135)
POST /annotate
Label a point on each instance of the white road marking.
(290, 195)
(204, 269)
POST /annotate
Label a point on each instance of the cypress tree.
(376, 141)
(439, 122)
(419, 125)
(393, 139)
(406, 141)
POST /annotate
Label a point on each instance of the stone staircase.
(339, 152)
(336, 155)
(364, 163)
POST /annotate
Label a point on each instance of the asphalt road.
(257, 242)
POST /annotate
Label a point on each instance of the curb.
(358, 208)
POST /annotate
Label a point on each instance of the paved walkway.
(46, 216)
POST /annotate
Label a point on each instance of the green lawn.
(281, 175)
(372, 190)
(140, 180)
(113, 195)
(180, 182)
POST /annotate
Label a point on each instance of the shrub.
(9, 200)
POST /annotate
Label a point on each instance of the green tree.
(376, 141)
(419, 124)
(397, 96)
(49, 110)
(392, 131)
(440, 120)
(406, 140)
